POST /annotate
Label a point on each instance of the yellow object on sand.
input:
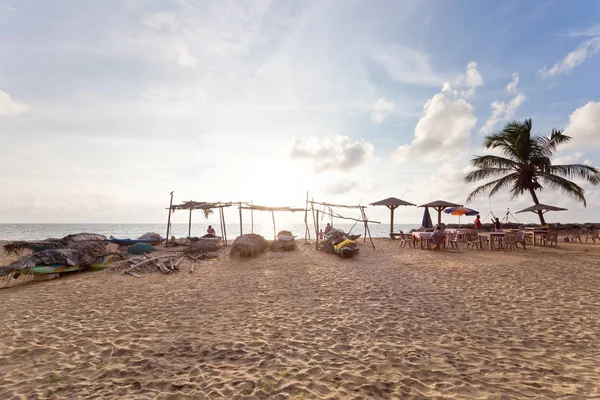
(343, 244)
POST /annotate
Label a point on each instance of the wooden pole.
(439, 210)
(392, 208)
(274, 230)
(317, 230)
(364, 215)
(169, 221)
(190, 224)
(307, 232)
(252, 218)
(240, 208)
(223, 228)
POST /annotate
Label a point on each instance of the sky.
(108, 106)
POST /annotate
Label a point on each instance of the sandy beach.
(390, 323)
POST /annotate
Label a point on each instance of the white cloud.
(406, 65)
(568, 158)
(446, 125)
(593, 31)
(573, 59)
(381, 109)
(179, 52)
(512, 86)
(8, 106)
(162, 20)
(584, 126)
(503, 110)
(340, 187)
(332, 153)
(471, 80)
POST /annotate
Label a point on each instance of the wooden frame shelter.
(439, 206)
(197, 205)
(328, 210)
(253, 207)
(392, 203)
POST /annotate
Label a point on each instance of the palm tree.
(526, 165)
(207, 212)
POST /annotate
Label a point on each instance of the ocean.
(44, 231)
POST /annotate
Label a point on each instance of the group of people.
(328, 229)
(479, 225)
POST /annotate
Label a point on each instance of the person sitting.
(211, 231)
(477, 223)
(328, 228)
(438, 237)
(497, 225)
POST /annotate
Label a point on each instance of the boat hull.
(127, 242)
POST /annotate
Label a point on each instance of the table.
(493, 236)
(535, 232)
(462, 233)
(422, 237)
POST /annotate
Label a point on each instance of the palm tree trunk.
(536, 201)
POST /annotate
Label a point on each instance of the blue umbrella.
(426, 223)
(461, 211)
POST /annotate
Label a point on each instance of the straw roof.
(542, 207)
(392, 202)
(440, 203)
(199, 205)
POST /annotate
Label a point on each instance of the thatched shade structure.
(544, 208)
(392, 203)
(439, 206)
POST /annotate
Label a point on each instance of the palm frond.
(581, 171)
(493, 186)
(569, 188)
(485, 173)
(548, 145)
(491, 161)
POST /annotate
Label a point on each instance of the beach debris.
(79, 256)
(17, 247)
(202, 246)
(340, 243)
(140, 248)
(248, 245)
(284, 242)
(151, 235)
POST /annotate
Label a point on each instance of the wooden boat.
(60, 268)
(128, 242)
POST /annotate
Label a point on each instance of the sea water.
(44, 231)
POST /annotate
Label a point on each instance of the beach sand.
(390, 323)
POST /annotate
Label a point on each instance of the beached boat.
(60, 268)
(128, 242)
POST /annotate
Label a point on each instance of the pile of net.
(284, 242)
(151, 235)
(202, 246)
(248, 245)
(140, 248)
(340, 243)
(84, 254)
(17, 247)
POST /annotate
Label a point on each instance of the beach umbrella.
(460, 211)
(427, 223)
(440, 205)
(392, 203)
(544, 208)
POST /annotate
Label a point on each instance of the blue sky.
(105, 107)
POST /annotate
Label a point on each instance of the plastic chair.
(404, 240)
(549, 238)
(453, 240)
(473, 240)
(510, 241)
